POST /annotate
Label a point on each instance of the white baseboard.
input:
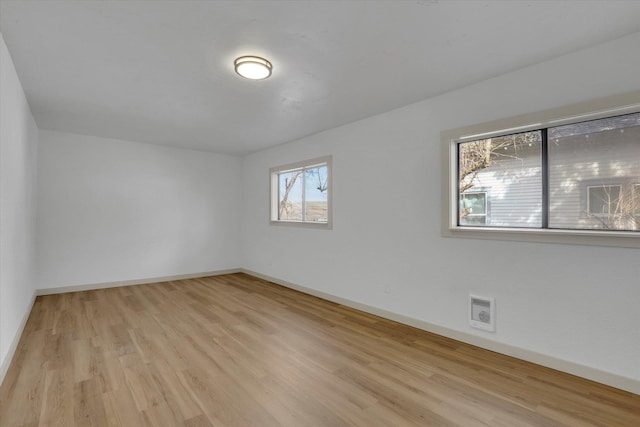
(105, 285)
(603, 377)
(4, 366)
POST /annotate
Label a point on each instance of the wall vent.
(482, 313)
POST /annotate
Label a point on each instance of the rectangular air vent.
(482, 313)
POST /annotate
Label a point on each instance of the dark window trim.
(544, 161)
(545, 178)
(593, 109)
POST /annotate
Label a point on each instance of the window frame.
(590, 110)
(589, 187)
(483, 191)
(274, 190)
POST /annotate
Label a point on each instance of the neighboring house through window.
(577, 175)
(601, 153)
(603, 199)
(473, 208)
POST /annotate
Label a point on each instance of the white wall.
(575, 303)
(111, 210)
(18, 152)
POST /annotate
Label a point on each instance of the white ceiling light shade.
(253, 67)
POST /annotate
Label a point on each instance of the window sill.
(302, 224)
(625, 239)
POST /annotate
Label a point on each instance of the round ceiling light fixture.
(253, 67)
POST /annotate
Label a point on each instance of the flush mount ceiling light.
(253, 67)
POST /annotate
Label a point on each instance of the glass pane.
(474, 221)
(506, 170)
(593, 169)
(473, 208)
(315, 191)
(290, 196)
(603, 200)
(473, 203)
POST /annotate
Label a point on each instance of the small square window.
(301, 193)
(473, 208)
(603, 199)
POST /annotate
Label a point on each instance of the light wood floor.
(238, 351)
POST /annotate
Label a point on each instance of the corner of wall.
(18, 187)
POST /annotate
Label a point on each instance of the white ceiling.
(162, 71)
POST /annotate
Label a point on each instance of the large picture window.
(576, 176)
(301, 193)
(513, 168)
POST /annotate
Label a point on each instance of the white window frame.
(274, 195)
(589, 187)
(591, 110)
(486, 204)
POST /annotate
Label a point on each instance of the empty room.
(319, 213)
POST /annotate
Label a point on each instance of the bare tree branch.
(285, 207)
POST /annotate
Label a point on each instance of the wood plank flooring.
(235, 350)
